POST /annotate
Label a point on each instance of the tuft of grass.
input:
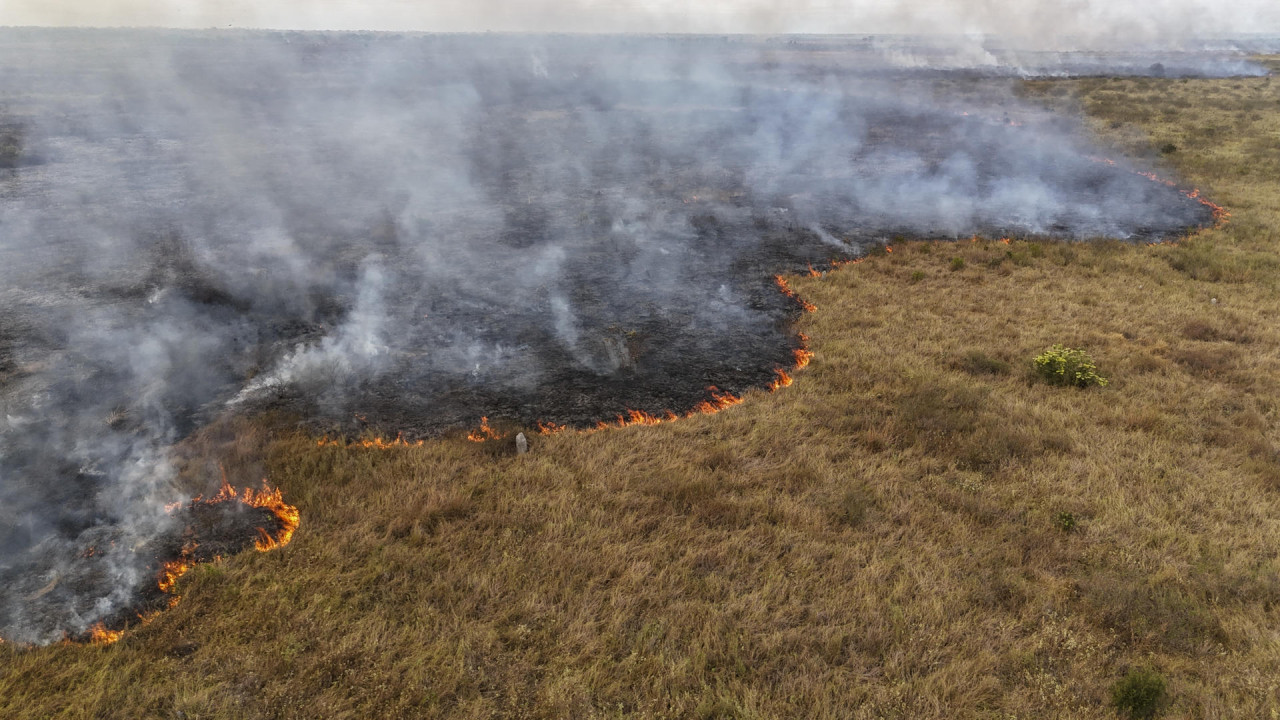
(977, 362)
(1140, 694)
(854, 505)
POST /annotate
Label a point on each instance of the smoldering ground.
(405, 233)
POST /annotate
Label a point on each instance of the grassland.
(914, 529)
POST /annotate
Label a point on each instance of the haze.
(1046, 23)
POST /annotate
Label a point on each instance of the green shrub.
(1140, 694)
(1066, 521)
(917, 276)
(957, 263)
(1060, 365)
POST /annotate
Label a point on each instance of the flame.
(100, 635)
(483, 433)
(782, 284)
(550, 428)
(802, 355)
(173, 570)
(783, 380)
(1220, 214)
(370, 443)
(271, 499)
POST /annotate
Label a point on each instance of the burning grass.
(204, 530)
(884, 539)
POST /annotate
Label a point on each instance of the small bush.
(1140, 694)
(957, 263)
(917, 276)
(1060, 365)
(1168, 149)
(1065, 521)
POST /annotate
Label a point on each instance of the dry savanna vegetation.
(916, 528)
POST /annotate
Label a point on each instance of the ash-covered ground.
(406, 233)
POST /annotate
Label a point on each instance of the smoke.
(1078, 24)
(407, 232)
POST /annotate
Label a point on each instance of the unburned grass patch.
(1227, 330)
(970, 426)
(978, 362)
(1151, 613)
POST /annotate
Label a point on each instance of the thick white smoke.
(1038, 24)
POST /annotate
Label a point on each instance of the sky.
(1055, 22)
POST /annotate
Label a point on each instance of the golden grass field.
(883, 539)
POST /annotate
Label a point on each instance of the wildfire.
(370, 443)
(1220, 214)
(719, 401)
(549, 428)
(781, 282)
(100, 635)
(172, 571)
(783, 380)
(483, 433)
(802, 354)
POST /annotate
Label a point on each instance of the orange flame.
(803, 358)
(483, 433)
(719, 401)
(100, 635)
(370, 443)
(170, 572)
(783, 380)
(550, 428)
(782, 284)
(273, 500)
(173, 570)
(1220, 214)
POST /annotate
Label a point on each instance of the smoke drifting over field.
(1094, 24)
(408, 232)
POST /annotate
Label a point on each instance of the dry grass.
(882, 539)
